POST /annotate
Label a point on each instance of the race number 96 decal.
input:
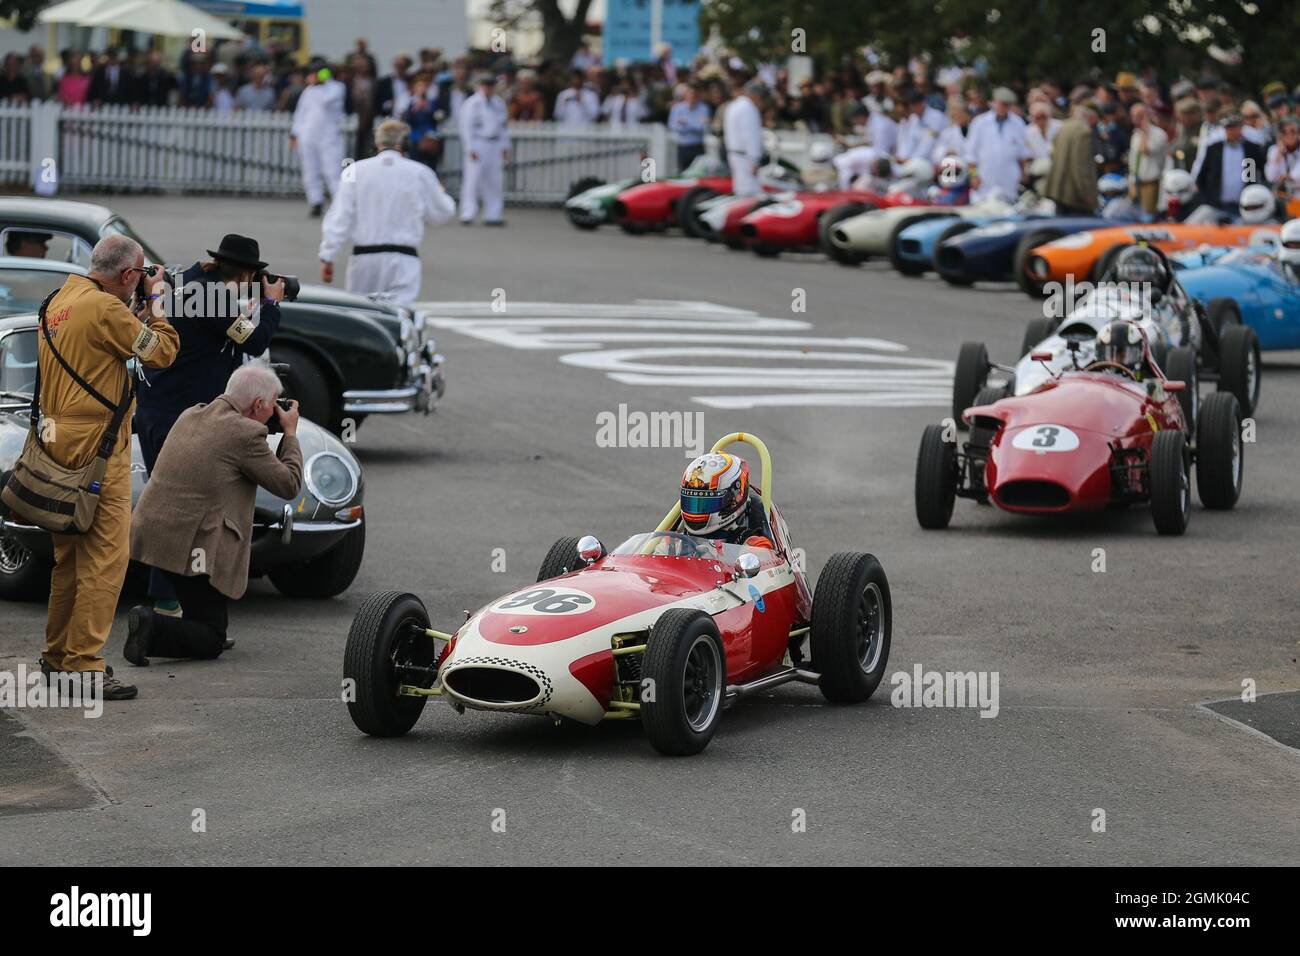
(1044, 438)
(551, 601)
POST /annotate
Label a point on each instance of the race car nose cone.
(491, 685)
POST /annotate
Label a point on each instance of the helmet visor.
(703, 501)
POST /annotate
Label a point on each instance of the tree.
(22, 12)
(561, 34)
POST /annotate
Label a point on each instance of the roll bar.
(765, 489)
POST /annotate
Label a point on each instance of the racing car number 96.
(547, 601)
(1044, 438)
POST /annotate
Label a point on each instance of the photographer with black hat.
(226, 311)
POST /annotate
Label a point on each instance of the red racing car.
(667, 628)
(1087, 439)
(794, 224)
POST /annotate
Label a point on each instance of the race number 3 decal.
(546, 601)
(1045, 438)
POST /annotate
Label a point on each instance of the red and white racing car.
(667, 627)
(1084, 440)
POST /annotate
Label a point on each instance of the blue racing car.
(995, 252)
(1246, 285)
(912, 251)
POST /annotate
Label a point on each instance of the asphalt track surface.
(1101, 675)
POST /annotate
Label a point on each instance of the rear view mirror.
(1040, 355)
(746, 565)
(590, 549)
(1175, 386)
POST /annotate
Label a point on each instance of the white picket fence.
(171, 149)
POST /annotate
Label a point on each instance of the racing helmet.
(1123, 343)
(1111, 186)
(953, 172)
(919, 171)
(1289, 250)
(821, 152)
(1140, 265)
(715, 490)
(1256, 204)
(1178, 184)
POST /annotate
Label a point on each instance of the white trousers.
(481, 182)
(322, 165)
(392, 272)
(744, 176)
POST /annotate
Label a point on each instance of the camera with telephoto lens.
(141, 292)
(291, 284)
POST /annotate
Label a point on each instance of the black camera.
(148, 270)
(273, 423)
(291, 284)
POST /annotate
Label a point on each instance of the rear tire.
(852, 620)
(830, 219)
(1180, 366)
(1030, 286)
(936, 478)
(378, 636)
(969, 377)
(1239, 366)
(687, 668)
(1171, 483)
(1220, 463)
(326, 576)
(1035, 331)
(582, 219)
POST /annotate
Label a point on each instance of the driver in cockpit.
(718, 503)
(1121, 343)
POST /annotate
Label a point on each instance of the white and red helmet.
(715, 490)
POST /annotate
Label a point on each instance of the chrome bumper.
(424, 387)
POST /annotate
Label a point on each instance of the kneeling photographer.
(194, 521)
(226, 311)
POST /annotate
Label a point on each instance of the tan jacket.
(196, 513)
(96, 334)
(1072, 180)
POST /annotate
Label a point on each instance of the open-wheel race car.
(667, 628)
(1190, 343)
(1096, 436)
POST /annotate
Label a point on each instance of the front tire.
(1219, 458)
(383, 638)
(687, 668)
(326, 576)
(852, 620)
(306, 382)
(1171, 483)
(936, 478)
(971, 374)
(562, 558)
(24, 575)
(1180, 366)
(1239, 366)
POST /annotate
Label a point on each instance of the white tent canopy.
(76, 11)
(169, 18)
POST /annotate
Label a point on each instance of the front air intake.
(492, 685)
(1041, 495)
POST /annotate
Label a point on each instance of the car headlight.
(330, 478)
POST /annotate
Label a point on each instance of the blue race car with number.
(996, 252)
(1245, 285)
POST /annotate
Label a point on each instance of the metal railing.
(171, 149)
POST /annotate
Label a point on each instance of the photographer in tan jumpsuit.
(96, 334)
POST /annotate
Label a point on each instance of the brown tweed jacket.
(196, 513)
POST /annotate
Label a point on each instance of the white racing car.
(851, 239)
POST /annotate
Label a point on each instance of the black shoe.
(315, 211)
(139, 628)
(494, 222)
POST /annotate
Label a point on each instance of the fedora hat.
(240, 250)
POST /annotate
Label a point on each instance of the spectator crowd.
(1137, 125)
